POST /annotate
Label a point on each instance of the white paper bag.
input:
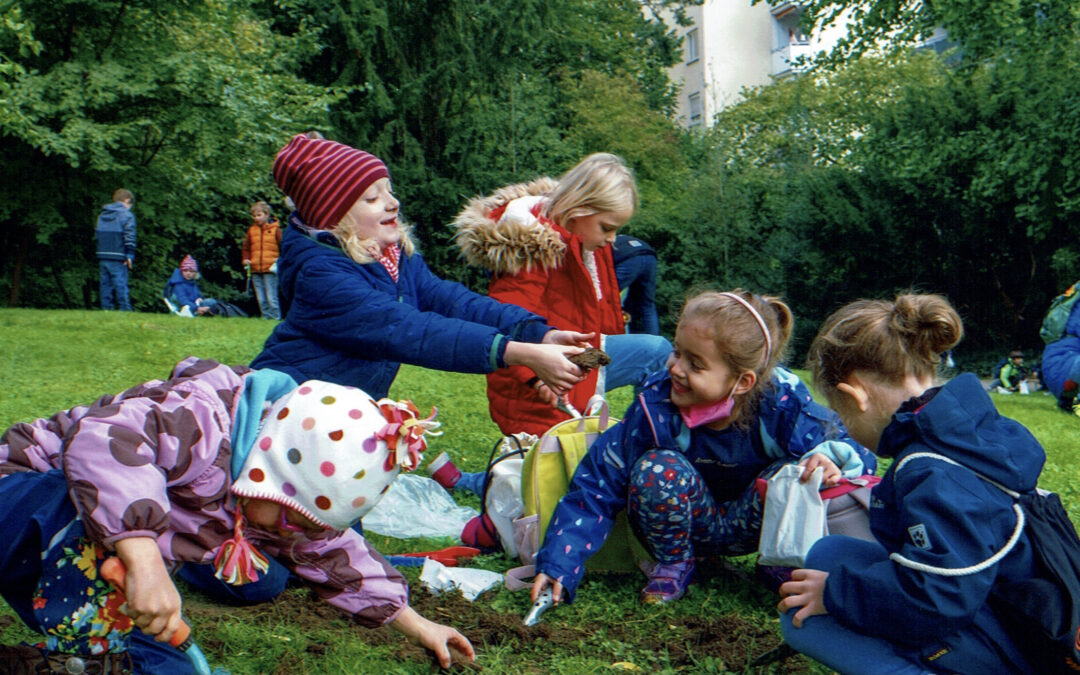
(794, 517)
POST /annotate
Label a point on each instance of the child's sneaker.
(773, 576)
(667, 582)
(444, 471)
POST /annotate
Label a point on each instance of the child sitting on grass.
(182, 290)
(685, 458)
(918, 599)
(216, 466)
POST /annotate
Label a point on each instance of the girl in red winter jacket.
(547, 246)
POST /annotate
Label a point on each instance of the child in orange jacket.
(262, 245)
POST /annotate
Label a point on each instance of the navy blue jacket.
(938, 514)
(1061, 359)
(787, 423)
(181, 292)
(351, 324)
(115, 233)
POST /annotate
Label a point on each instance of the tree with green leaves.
(181, 102)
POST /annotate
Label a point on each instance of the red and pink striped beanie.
(325, 178)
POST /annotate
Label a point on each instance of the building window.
(692, 45)
(695, 108)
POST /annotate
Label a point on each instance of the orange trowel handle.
(113, 571)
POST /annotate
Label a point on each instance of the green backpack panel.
(1053, 325)
(545, 478)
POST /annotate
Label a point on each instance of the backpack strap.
(972, 569)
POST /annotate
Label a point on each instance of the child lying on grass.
(217, 465)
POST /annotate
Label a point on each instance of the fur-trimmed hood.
(516, 238)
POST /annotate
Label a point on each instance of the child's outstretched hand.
(806, 590)
(548, 361)
(830, 474)
(567, 337)
(444, 641)
(153, 603)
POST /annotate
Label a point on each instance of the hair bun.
(927, 324)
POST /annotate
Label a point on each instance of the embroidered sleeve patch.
(919, 537)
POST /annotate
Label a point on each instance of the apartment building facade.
(733, 44)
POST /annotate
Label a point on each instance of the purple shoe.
(772, 576)
(667, 581)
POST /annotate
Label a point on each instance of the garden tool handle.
(114, 571)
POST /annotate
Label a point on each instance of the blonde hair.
(889, 339)
(367, 250)
(598, 184)
(739, 338)
(262, 206)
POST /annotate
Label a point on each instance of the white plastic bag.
(504, 503)
(417, 506)
(794, 517)
(439, 578)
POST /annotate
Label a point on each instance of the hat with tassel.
(329, 452)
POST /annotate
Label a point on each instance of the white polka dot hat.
(331, 452)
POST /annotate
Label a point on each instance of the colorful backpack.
(1053, 325)
(545, 478)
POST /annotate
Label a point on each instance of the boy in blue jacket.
(115, 234)
(916, 600)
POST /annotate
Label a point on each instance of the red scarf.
(389, 259)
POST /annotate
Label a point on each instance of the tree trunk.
(16, 274)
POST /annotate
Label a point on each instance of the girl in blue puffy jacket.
(916, 600)
(685, 458)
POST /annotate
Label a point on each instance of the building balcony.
(784, 58)
(785, 9)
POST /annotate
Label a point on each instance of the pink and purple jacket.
(154, 461)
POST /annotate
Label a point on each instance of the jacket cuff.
(531, 331)
(498, 352)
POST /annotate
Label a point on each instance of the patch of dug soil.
(686, 640)
(590, 358)
(732, 639)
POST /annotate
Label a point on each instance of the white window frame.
(693, 45)
(694, 109)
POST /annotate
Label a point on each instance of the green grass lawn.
(55, 359)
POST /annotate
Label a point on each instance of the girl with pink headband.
(685, 458)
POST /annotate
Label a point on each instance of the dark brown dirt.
(685, 640)
(590, 358)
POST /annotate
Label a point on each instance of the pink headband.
(760, 321)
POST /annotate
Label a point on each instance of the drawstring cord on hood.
(238, 562)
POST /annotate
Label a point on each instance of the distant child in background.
(359, 300)
(183, 292)
(222, 467)
(635, 268)
(1012, 378)
(916, 600)
(115, 234)
(262, 245)
(548, 248)
(685, 458)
